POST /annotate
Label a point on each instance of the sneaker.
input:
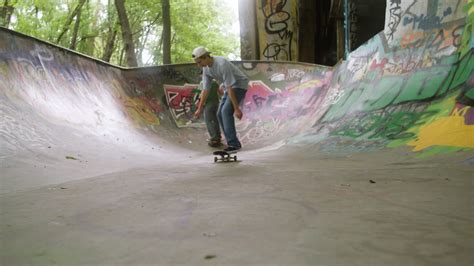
(214, 143)
(232, 149)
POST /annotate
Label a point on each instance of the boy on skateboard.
(235, 86)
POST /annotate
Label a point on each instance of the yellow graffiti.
(446, 131)
(139, 112)
(307, 85)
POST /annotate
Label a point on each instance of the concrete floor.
(272, 208)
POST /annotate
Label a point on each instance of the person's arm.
(235, 103)
(202, 102)
(220, 89)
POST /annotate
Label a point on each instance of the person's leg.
(226, 114)
(212, 124)
(219, 112)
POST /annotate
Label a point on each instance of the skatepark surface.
(368, 162)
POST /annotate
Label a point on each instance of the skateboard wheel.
(215, 159)
(235, 158)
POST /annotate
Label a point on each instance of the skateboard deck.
(224, 156)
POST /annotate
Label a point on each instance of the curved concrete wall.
(409, 85)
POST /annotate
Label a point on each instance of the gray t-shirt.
(224, 72)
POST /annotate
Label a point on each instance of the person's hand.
(197, 114)
(220, 90)
(238, 113)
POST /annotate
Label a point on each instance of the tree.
(76, 13)
(166, 34)
(127, 37)
(110, 42)
(93, 27)
(112, 26)
(202, 23)
(76, 31)
(5, 14)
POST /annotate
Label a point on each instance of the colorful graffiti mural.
(411, 85)
(413, 16)
(390, 84)
(182, 102)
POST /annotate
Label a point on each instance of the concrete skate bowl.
(58, 106)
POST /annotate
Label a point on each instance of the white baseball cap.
(199, 51)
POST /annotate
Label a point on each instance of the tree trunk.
(110, 45)
(145, 32)
(127, 37)
(76, 30)
(165, 6)
(6, 12)
(69, 19)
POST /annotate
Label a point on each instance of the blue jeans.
(225, 114)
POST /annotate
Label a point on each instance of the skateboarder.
(235, 86)
(209, 103)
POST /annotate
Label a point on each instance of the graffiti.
(291, 74)
(277, 20)
(467, 39)
(263, 102)
(182, 102)
(446, 131)
(399, 88)
(385, 77)
(257, 94)
(294, 74)
(256, 130)
(171, 74)
(139, 112)
(436, 40)
(42, 53)
(380, 125)
(358, 63)
(270, 112)
(333, 97)
(416, 17)
(276, 51)
(394, 19)
(277, 77)
(426, 22)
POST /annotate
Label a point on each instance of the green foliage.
(193, 23)
(191, 27)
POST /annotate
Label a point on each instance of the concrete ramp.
(367, 156)
(59, 106)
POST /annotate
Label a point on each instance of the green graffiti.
(390, 126)
(369, 95)
(464, 71)
(470, 93)
(359, 127)
(378, 98)
(342, 107)
(435, 109)
(464, 78)
(423, 84)
(467, 37)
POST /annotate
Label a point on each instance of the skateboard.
(225, 156)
